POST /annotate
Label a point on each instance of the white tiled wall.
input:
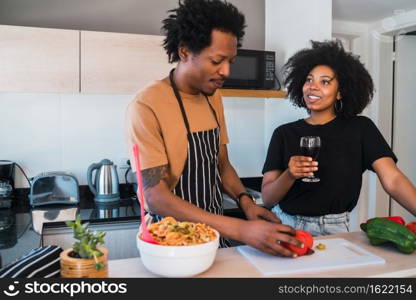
(92, 129)
(279, 112)
(31, 131)
(56, 132)
(245, 122)
(68, 132)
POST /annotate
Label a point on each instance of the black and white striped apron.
(200, 180)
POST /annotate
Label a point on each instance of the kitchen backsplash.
(68, 132)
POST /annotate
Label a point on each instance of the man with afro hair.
(178, 123)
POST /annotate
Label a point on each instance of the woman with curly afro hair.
(178, 123)
(334, 87)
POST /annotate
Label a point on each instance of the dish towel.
(40, 262)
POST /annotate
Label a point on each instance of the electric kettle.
(105, 187)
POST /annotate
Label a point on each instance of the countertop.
(230, 263)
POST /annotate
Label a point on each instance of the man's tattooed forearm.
(152, 176)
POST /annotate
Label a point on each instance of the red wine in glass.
(310, 146)
(310, 151)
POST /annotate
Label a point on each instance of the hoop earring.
(338, 108)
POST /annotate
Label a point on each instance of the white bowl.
(177, 261)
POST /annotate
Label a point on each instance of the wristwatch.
(245, 194)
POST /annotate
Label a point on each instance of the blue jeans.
(320, 225)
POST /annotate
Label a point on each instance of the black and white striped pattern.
(200, 180)
(199, 183)
(40, 262)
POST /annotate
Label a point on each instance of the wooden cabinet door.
(39, 59)
(120, 63)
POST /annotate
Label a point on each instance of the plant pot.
(72, 267)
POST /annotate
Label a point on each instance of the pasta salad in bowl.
(184, 249)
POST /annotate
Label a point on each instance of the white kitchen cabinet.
(39, 59)
(120, 63)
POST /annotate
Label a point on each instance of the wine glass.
(309, 146)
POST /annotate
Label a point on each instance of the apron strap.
(213, 111)
(178, 97)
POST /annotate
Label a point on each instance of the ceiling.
(368, 11)
(123, 14)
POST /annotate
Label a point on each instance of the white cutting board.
(339, 253)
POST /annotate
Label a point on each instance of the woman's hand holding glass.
(302, 166)
(310, 146)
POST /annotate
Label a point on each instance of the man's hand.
(266, 237)
(255, 212)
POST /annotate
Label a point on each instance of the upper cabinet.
(39, 59)
(70, 61)
(121, 63)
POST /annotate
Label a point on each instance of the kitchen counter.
(23, 228)
(230, 263)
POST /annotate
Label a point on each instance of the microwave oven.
(252, 69)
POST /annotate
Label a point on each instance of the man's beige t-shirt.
(155, 124)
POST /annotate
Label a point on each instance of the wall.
(62, 132)
(68, 132)
(286, 35)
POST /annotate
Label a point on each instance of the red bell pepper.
(304, 237)
(412, 227)
(396, 219)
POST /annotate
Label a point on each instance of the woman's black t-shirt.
(348, 148)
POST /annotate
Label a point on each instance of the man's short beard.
(210, 94)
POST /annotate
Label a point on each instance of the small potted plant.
(85, 259)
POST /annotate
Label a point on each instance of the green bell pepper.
(380, 231)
